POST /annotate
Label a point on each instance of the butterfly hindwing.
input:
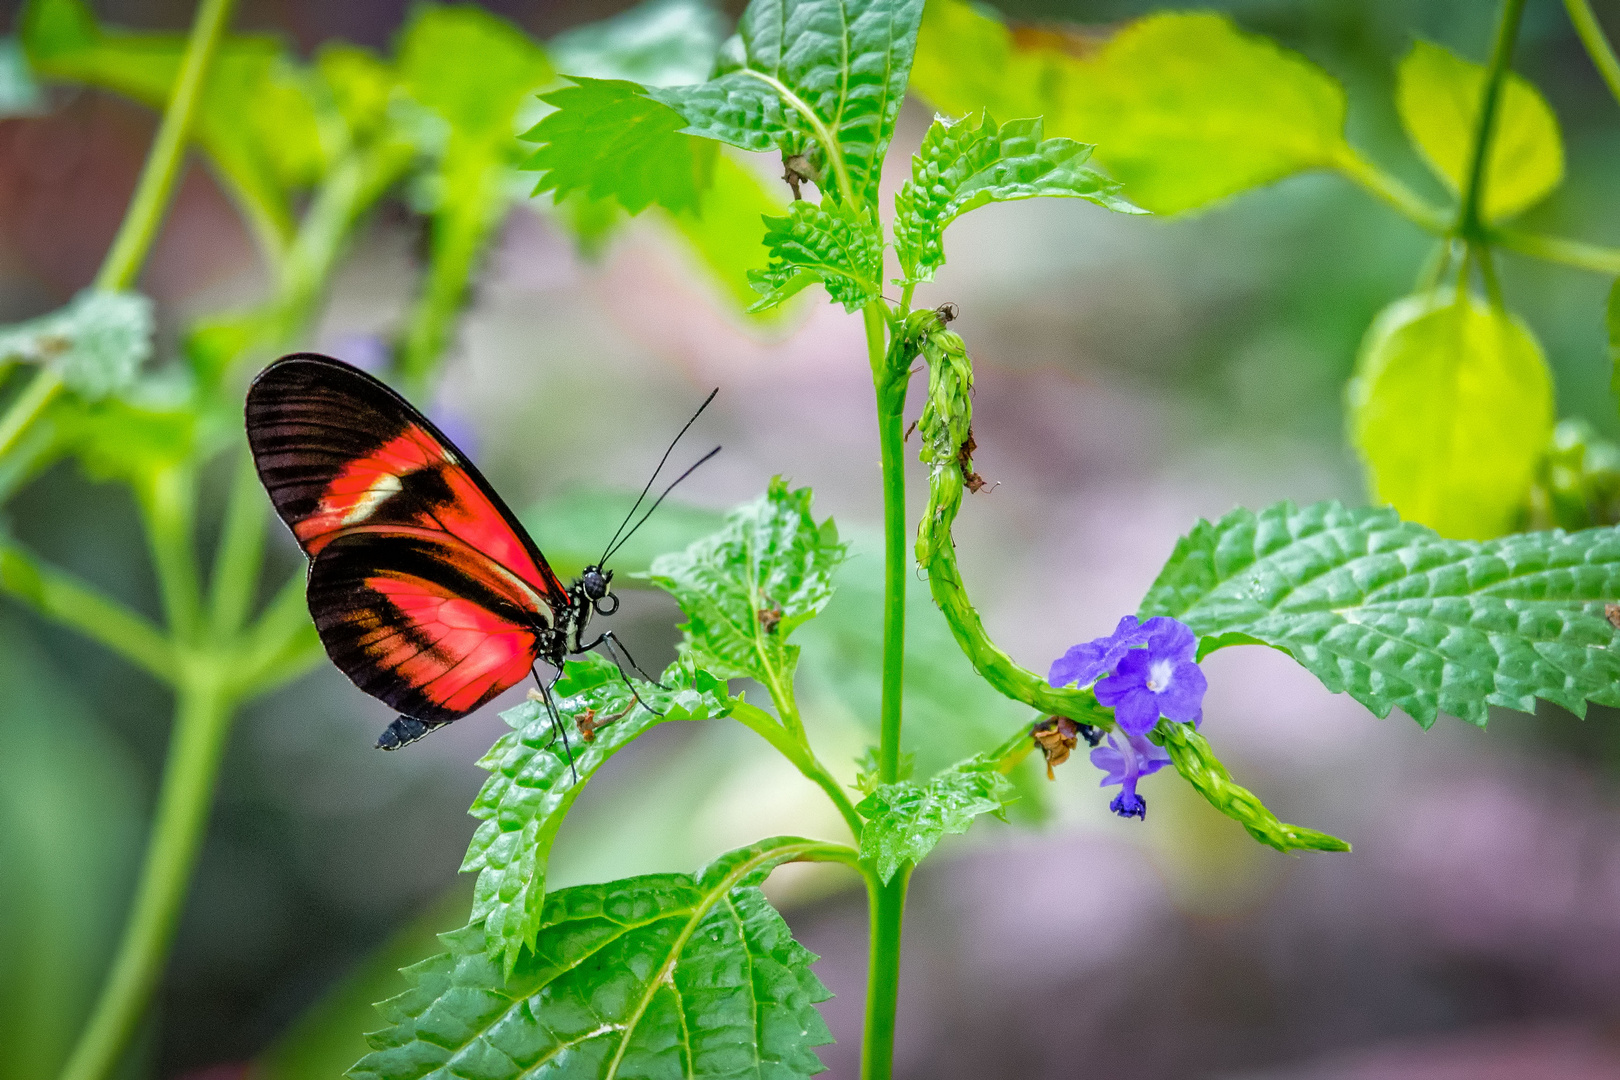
(422, 621)
(338, 449)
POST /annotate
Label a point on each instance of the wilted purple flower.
(1126, 760)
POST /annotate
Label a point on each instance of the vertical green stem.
(202, 718)
(1597, 45)
(887, 904)
(147, 206)
(169, 504)
(891, 399)
(1469, 226)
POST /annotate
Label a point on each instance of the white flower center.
(1159, 676)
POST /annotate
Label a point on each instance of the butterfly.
(425, 589)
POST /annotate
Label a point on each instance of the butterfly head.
(595, 583)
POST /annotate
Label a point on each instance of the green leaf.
(845, 61)
(1451, 407)
(609, 141)
(20, 95)
(746, 588)
(96, 343)
(1439, 93)
(656, 43)
(963, 166)
(536, 776)
(1395, 615)
(256, 119)
(835, 244)
(361, 84)
(662, 976)
(905, 820)
(1185, 109)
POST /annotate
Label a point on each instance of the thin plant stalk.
(888, 910)
(1597, 44)
(1469, 216)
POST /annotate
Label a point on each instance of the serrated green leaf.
(608, 140)
(1185, 109)
(20, 95)
(664, 976)
(1439, 93)
(746, 588)
(1451, 407)
(656, 43)
(905, 820)
(846, 61)
(832, 243)
(1396, 616)
(963, 166)
(96, 342)
(535, 777)
(256, 118)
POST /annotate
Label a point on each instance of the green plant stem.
(1577, 253)
(147, 206)
(890, 389)
(1597, 44)
(168, 501)
(829, 145)
(765, 726)
(1469, 220)
(240, 552)
(202, 718)
(887, 906)
(1388, 189)
(62, 598)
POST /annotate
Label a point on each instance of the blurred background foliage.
(1133, 374)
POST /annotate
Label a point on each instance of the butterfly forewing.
(337, 449)
(420, 620)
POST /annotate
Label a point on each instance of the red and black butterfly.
(426, 591)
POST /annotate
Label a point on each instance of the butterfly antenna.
(614, 549)
(654, 476)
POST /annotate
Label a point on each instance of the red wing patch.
(338, 450)
(422, 621)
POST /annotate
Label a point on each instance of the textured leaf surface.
(963, 166)
(97, 342)
(1396, 616)
(256, 117)
(664, 976)
(746, 588)
(1438, 94)
(1451, 406)
(837, 245)
(905, 820)
(1185, 109)
(532, 784)
(848, 61)
(609, 140)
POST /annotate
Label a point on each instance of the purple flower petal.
(1183, 699)
(1168, 639)
(1111, 762)
(1129, 804)
(1086, 662)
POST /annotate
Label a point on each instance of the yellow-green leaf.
(1450, 407)
(1185, 109)
(1438, 94)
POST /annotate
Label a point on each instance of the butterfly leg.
(613, 646)
(557, 726)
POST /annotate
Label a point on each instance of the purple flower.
(1152, 672)
(1125, 761)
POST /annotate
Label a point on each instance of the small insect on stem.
(964, 461)
(770, 618)
(796, 170)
